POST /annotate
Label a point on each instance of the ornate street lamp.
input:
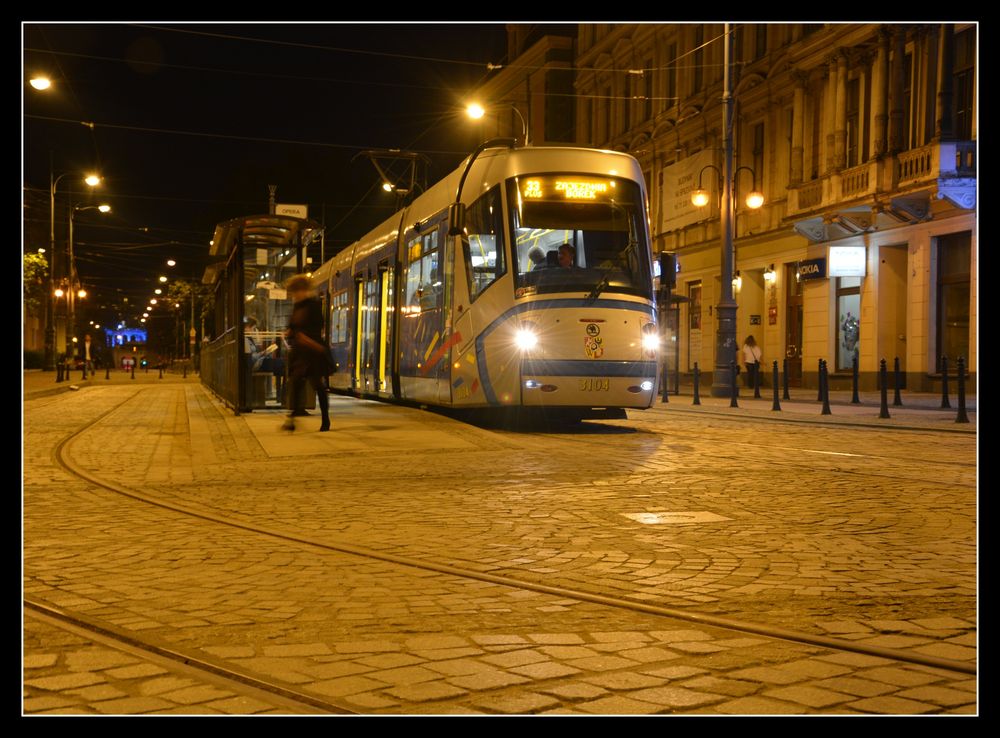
(91, 180)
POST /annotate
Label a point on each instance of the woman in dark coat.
(308, 358)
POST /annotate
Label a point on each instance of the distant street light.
(40, 82)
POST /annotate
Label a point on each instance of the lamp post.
(477, 111)
(725, 340)
(74, 291)
(92, 180)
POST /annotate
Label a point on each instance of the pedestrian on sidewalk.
(752, 355)
(308, 358)
(88, 357)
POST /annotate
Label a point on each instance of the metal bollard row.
(945, 402)
(883, 382)
(824, 387)
(697, 384)
(896, 400)
(775, 405)
(963, 417)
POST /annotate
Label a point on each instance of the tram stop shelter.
(243, 362)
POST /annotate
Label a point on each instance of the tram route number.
(595, 385)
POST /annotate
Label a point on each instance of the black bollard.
(774, 373)
(756, 380)
(185, 372)
(855, 400)
(58, 373)
(161, 372)
(896, 401)
(133, 371)
(962, 416)
(819, 373)
(666, 383)
(107, 372)
(883, 381)
(825, 384)
(84, 373)
(736, 387)
(945, 402)
(784, 380)
(697, 383)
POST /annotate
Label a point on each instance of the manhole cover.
(661, 518)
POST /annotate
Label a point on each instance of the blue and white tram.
(489, 317)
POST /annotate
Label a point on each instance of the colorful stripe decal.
(442, 350)
(430, 346)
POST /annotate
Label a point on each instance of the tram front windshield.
(576, 233)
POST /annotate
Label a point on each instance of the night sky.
(192, 122)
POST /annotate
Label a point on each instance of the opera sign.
(812, 269)
(847, 261)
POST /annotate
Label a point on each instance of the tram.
(523, 279)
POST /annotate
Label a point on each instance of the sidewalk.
(37, 383)
(919, 410)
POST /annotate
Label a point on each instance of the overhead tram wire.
(437, 60)
(315, 47)
(256, 139)
(219, 70)
(76, 101)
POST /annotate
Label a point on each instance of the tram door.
(367, 358)
(384, 352)
(372, 364)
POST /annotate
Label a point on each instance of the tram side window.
(424, 278)
(485, 259)
(338, 318)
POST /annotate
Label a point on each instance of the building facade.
(862, 138)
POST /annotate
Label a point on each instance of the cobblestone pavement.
(865, 533)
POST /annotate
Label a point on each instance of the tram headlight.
(646, 386)
(525, 339)
(650, 341)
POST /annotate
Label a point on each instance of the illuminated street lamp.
(50, 332)
(40, 82)
(726, 346)
(73, 292)
(476, 111)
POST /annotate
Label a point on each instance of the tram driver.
(567, 256)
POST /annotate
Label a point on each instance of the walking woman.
(308, 358)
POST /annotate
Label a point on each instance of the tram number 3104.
(594, 385)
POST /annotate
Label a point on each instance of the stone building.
(858, 135)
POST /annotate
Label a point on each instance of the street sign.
(296, 211)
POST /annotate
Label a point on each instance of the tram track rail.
(62, 456)
(191, 664)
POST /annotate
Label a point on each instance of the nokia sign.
(812, 269)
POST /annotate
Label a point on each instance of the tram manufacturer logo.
(593, 330)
